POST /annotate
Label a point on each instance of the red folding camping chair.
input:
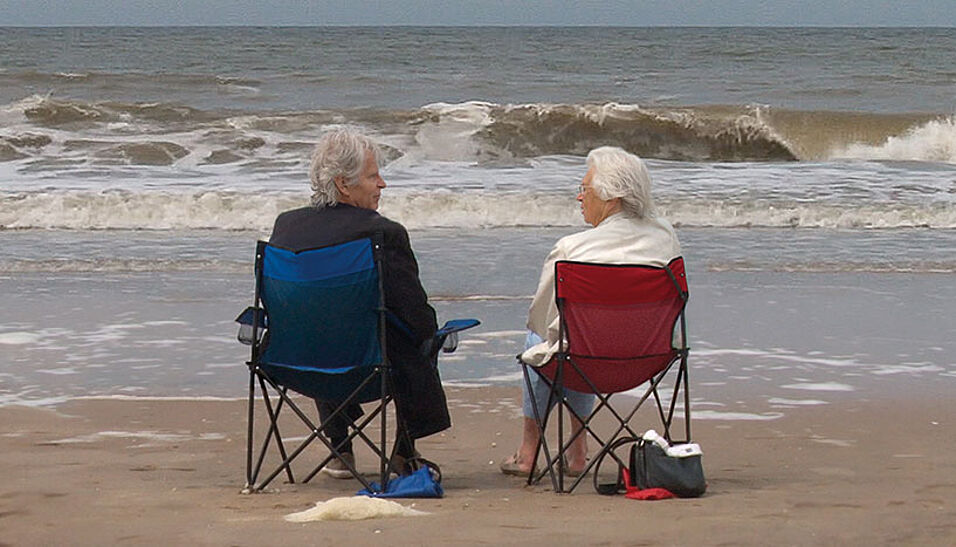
(620, 326)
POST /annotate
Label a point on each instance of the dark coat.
(419, 396)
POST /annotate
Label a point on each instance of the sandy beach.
(814, 204)
(142, 471)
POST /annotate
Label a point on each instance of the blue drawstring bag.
(421, 483)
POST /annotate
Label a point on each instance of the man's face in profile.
(366, 192)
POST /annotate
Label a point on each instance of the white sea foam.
(795, 402)
(474, 297)
(65, 371)
(150, 438)
(472, 342)
(451, 136)
(933, 141)
(464, 384)
(885, 370)
(820, 386)
(501, 334)
(201, 398)
(735, 416)
(416, 209)
(18, 338)
(27, 398)
(814, 358)
(834, 442)
(703, 352)
(31, 396)
(728, 214)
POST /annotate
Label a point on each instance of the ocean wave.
(934, 141)
(52, 112)
(687, 134)
(477, 131)
(821, 135)
(762, 213)
(221, 210)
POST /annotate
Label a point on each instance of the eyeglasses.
(582, 189)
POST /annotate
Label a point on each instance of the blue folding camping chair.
(317, 327)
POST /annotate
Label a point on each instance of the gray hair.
(339, 153)
(620, 174)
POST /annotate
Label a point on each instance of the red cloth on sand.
(647, 494)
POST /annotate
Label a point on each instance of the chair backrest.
(618, 321)
(325, 309)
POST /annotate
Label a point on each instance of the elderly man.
(346, 187)
(615, 197)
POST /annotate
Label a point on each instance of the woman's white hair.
(339, 153)
(620, 174)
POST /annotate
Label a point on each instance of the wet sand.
(137, 471)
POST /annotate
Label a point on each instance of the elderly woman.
(346, 187)
(615, 197)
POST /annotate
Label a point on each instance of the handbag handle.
(417, 462)
(618, 487)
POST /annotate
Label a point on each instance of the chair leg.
(287, 460)
(252, 470)
(542, 424)
(683, 366)
(250, 477)
(273, 430)
(673, 404)
(384, 380)
(586, 430)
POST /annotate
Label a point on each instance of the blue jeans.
(582, 403)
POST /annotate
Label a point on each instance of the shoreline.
(149, 470)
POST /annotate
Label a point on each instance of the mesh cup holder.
(245, 334)
(245, 321)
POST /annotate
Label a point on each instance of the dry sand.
(149, 472)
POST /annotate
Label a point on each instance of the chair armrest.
(456, 325)
(447, 337)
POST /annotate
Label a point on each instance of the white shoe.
(337, 468)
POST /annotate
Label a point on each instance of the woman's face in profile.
(593, 208)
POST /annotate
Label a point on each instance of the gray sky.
(481, 12)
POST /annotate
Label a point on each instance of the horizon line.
(469, 26)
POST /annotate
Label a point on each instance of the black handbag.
(677, 468)
(654, 463)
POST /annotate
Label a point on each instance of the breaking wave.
(935, 141)
(113, 133)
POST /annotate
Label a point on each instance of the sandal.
(511, 467)
(573, 473)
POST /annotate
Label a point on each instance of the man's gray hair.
(620, 174)
(339, 153)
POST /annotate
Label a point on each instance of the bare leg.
(529, 443)
(577, 452)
